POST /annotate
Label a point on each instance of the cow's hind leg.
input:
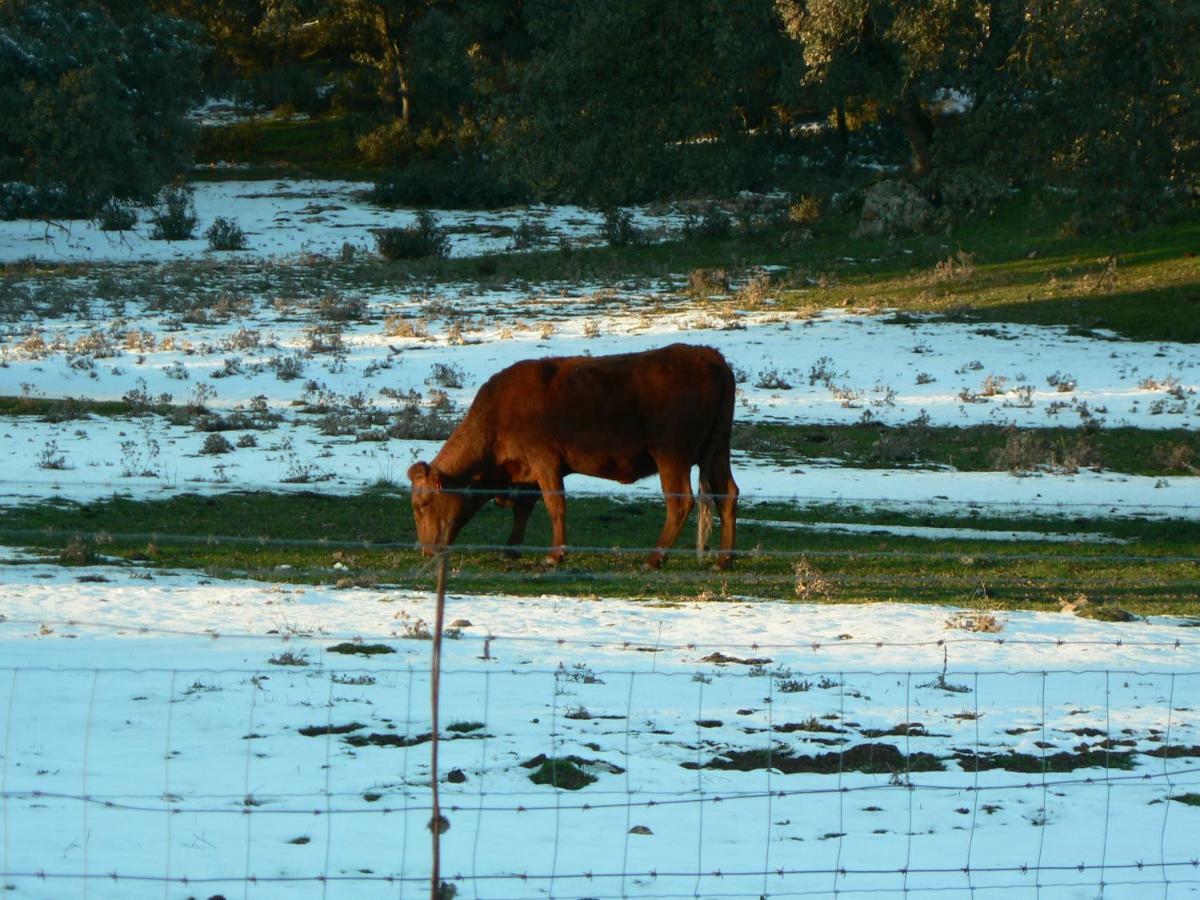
(677, 492)
(522, 507)
(719, 479)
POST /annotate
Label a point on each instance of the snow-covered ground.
(153, 695)
(287, 219)
(831, 368)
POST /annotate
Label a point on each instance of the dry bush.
(1022, 452)
(810, 583)
(139, 341)
(975, 621)
(337, 308)
(754, 292)
(805, 211)
(1062, 382)
(993, 385)
(1176, 457)
(707, 282)
(959, 267)
(1069, 458)
(1104, 280)
(402, 326)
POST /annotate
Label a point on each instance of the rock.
(893, 208)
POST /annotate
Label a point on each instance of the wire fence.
(717, 780)
(527, 765)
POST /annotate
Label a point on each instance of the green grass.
(252, 535)
(978, 448)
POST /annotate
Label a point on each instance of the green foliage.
(444, 182)
(116, 216)
(94, 101)
(713, 222)
(629, 99)
(619, 230)
(423, 239)
(175, 217)
(225, 234)
(490, 103)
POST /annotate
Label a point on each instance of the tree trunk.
(405, 102)
(842, 147)
(917, 130)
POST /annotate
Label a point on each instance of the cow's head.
(439, 513)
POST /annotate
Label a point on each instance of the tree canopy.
(609, 101)
(94, 102)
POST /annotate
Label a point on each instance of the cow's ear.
(418, 472)
(435, 479)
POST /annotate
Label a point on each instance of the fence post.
(436, 824)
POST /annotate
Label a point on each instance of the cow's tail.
(704, 518)
(718, 442)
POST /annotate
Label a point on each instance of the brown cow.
(620, 417)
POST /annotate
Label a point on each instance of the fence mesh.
(578, 781)
(593, 766)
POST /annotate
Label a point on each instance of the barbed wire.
(650, 491)
(239, 807)
(499, 638)
(781, 872)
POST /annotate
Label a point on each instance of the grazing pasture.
(956, 652)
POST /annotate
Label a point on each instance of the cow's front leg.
(555, 499)
(522, 508)
(677, 491)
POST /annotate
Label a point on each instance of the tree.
(374, 34)
(888, 57)
(94, 104)
(624, 99)
(1102, 97)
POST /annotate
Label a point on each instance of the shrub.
(1022, 452)
(706, 282)
(287, 368)
(772, 380)
(216, 443)
(116, 216)
(175, 217)
(418, 241)
(225, 234)
(529, 234)
(618, 229)
(338, 308)
(714, 222)
(447, 375)
(471, 182)
(805, 211)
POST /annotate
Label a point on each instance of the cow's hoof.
(512, 553)
(654, 561)
(553, 560)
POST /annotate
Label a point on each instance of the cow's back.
(610, 416)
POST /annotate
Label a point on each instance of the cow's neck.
(464, 457)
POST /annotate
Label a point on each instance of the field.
(955, 654)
